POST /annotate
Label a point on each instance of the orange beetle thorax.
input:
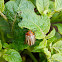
(29, 33)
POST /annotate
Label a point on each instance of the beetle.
(30, 38)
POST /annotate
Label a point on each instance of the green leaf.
(58, 46)
(17, 2)
(6, 45)
(41, 46)
(48, 54)
(4, 26)
(43, 43)
(24, 4)
(1, 5)
(42, 5)
(51, 34)
(58, 5)
(33, 1)
(59, 27)
(57, 57)
(58, 35)
(57, 17)
(40, 25)
(53, 39)
(51, 5)
(11, 10)
(0, 45)
(11, 55)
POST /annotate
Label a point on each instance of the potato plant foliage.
(43, 17)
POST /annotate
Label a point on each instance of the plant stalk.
(3, 16)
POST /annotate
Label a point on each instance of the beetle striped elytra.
(30, 38)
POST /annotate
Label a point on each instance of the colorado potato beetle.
(30, 38)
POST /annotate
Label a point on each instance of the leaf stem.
(31, 55)
(3, 16)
